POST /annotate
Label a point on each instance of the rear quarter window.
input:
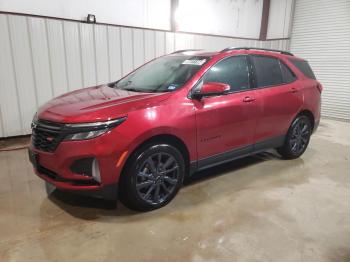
(304, 67)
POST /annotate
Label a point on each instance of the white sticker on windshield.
(198, 62)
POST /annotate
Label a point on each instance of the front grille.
(46, 135)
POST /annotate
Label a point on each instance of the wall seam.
(284, 20)
(81, 57)
(49, 57)
(155, 44)
(121, 52)
(15, 75)
(32, 62)
(65, 55)
(165, 51)
(133, 49)
(144, 46)
(108, 55)
(95, 53)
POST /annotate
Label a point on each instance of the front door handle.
(293, 90)
(248, 99)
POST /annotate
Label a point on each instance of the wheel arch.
(162, 138)
(310, 115)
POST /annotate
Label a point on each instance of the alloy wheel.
(157, 178)
(299, 137)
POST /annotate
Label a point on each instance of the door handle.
(293, 90)
(248, 99)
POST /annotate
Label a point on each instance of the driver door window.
(232, 71)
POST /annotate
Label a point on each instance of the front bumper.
(55, 167)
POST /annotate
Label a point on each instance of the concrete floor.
(255, 209)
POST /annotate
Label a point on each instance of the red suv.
(139, 137)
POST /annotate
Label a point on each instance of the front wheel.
(152, 177)
(297, 138)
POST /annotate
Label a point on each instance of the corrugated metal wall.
(321, 34)
(43, 58)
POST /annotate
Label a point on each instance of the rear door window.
(304, 67)
(267, 71)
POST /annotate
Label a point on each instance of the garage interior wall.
(321, 34)
(43, 58)
(138, 13)
(280, 18)
(221, 17)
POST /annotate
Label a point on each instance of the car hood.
(98, 103)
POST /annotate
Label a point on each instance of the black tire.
(153, 169)
(297, 139)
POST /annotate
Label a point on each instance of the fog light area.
(96, 170)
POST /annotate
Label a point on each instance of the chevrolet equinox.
(139, 137)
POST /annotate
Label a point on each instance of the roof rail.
(256, 48)
(185, 50)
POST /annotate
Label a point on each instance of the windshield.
(164, 74)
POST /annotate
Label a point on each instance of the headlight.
(84, 131)
(86, 135)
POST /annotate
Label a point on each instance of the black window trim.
(200, 80)
(254, 86)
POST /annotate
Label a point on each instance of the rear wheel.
(297, 139)
(152, 178)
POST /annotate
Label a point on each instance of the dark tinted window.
(288, 75)
(267, 71)
(304, 67)
(232, 71)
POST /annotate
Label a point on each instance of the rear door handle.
(293, 90)
(248, 99)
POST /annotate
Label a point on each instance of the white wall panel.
(183, 41)
(127, 59)
(160, 43)
(73, 55)
(139, 47)
(10, 115)
(141, 13)
(169, 42)
(87, 45)
(23, 63)
(114, 45)
(57, 56)
(150, 45)
(42, 58)
(321, 34)
(239, 18)
(101, 53)
(279, 23)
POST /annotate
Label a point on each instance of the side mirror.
(211, 89)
